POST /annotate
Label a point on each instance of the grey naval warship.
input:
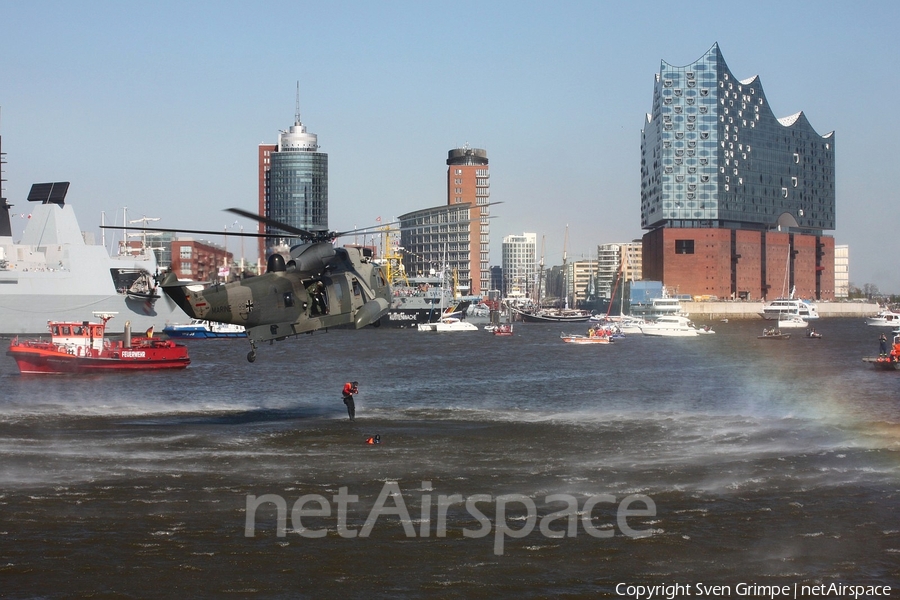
(52, 274)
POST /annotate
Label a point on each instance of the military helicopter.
(320, 286)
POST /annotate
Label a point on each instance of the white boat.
(51, 274)
(794, 321)
(658, 307)
(785, 308)
(200, 329)
(570, 338)
(672, 326)
(627, 324)
(885, 318)
(448, 324)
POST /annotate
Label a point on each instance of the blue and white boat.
(200, 329)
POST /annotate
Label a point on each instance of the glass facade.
(435, 239)
(298, 190)
(714, 155)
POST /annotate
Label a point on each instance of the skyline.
(161, 108)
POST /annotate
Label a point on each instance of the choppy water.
(775, 462)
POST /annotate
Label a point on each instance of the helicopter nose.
(371, 311)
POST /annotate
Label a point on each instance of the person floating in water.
(350, 388)
(882, 345)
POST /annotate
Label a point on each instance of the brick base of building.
(731, 263)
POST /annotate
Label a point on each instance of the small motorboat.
(884, 363)
(792, 322)
(888, 361)
(813, 334)
(505, 329)
(773, 334)
(599, 338)
(81, 347)
(885, 318)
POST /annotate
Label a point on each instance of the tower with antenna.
(293, 180)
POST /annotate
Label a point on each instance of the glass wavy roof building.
(713, 155)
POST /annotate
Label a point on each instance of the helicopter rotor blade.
(383, 226)
(197, 231)
(370, 229)
(303, 233)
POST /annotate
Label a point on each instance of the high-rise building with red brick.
(735, 201)
(456, 235)
(469, 182)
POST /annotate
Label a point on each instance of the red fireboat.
(82, 348)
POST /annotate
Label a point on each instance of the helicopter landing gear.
(251, 356)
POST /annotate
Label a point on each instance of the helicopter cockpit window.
(357, 290)
(288, 299)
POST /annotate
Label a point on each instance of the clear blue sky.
(160, 106)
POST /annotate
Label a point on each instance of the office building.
(293, 183)
(734, 200)
(519, 265)
(469, 182)
(436, 240)
(842, 271)
(581, 277)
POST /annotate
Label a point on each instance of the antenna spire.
(297, 111)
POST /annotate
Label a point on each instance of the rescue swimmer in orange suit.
(350, 388)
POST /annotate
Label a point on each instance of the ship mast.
(537, 297)
(5, 223)
(565, 271)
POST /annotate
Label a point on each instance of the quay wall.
(751, 310)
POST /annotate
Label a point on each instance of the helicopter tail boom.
(175, 290)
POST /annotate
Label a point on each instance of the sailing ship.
(540, 314)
